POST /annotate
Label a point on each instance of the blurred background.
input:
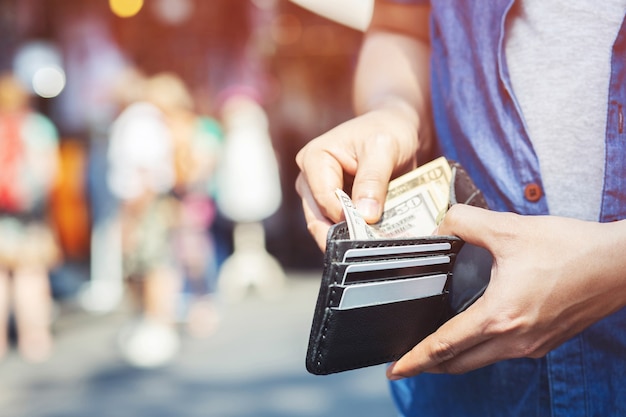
(147, 155)
(298, 63)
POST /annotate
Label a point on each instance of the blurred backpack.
(11, 155)
(27, 143)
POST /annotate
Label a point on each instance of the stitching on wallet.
(325, 320)
(472, 197)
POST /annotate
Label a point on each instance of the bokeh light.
(125, 8)
(173, 12)
(38, 65)
(48, 81)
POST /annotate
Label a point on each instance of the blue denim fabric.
(479, 124)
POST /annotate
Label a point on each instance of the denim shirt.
(479, 123)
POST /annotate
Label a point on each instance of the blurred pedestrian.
(28, 248)
(197, 144)
(104, 290)
(141, 175)
(162, 157)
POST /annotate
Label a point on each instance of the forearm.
(391, 99)
(393, 67)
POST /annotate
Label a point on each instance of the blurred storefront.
(298, 64)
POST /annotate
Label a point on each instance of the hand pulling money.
(415, 203)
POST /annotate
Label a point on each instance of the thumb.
(472, 224)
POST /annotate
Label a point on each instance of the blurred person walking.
(197, 144)
(162, 155)
(141, 176)
(28, 249)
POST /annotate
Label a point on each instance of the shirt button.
(532, 192)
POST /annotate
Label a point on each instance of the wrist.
(395, 104)
(418, 126)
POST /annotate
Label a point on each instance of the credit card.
(385, 292)
(392, 251)
(385, 270)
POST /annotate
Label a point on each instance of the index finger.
(317, 224)
(372, 177)
(323, 174)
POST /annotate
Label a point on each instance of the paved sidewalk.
(253, 366)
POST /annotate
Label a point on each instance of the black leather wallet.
(379, 298)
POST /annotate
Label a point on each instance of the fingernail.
(368, 207)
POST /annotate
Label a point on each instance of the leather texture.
(342, 340)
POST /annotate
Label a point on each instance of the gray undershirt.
(559, 59)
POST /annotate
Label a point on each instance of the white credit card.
(372, 271)
(356, 253)
(385, 292)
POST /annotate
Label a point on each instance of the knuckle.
(507, 319)
(529, 348)
(538, 354)
(299, 185)
(505, 323)
(301, 156)
(370, 179)
(517, 329)
(535, 347)
(443, 351)
(452, 368)
(534, 354)
(380, 139)
(309, 153)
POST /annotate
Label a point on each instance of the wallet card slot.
(384, 270)
(385, 292)
(393, 274)
(375, 253)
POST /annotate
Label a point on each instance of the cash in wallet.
(387, 286)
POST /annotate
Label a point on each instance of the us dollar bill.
(415, 204)
(357, 226)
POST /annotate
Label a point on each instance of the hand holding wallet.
(379, 298)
